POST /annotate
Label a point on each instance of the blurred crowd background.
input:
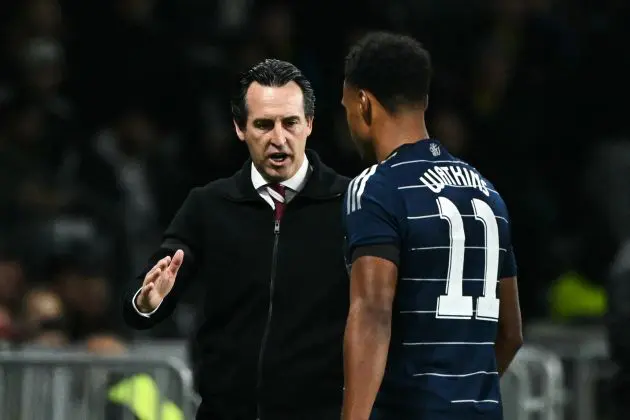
(111, 110)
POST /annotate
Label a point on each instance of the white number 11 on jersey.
(454, 304)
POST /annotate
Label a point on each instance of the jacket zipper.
(263, 343)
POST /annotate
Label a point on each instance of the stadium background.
(110, 111)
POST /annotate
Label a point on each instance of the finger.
(163, 263)
(164, 284)
(154, 268)
(160, 267)
(151, 276)
(176, 262)
(144, 293)
(157, 269)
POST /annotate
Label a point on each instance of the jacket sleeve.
(182, 233)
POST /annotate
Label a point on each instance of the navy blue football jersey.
(452, 231)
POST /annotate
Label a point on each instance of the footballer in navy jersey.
(434, 318)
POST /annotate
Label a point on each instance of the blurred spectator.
(132, 167)
(50, 338)
(31, 18)
(6, 325)
(43, 314)
(36, 58)
(12, 285)
(41, 68)
(33, 162)
(86, 295)
(606, 186)
(105, 344)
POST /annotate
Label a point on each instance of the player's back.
(454, 246)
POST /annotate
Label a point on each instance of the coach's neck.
(404, 127)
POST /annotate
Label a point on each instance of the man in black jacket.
(266, 243)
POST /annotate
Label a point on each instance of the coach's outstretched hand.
(159, 282)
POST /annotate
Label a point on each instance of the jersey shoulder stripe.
(357, 188)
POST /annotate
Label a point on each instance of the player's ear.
(240, 133)
(365, 106)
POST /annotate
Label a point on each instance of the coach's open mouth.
(278, 157)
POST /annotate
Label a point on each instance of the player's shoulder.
(380, 173)
(375, 178)
(373, 184)
(387, 177)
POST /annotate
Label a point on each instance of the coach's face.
(276, 129)
(359, 116)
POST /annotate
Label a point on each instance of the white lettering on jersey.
(439, 177)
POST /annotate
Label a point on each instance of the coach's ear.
(365, 106)
(239, 132)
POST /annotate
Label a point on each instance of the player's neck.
(405, 129)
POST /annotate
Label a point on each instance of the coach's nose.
(278, 138)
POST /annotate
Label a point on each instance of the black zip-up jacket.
(276, 296)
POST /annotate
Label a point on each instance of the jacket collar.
(296, 183)
(323, 182)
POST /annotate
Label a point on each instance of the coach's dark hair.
(395, 68)
(270, 72)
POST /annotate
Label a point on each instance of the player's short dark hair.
(395, 68)
(270, 72)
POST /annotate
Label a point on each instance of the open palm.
(159, 282)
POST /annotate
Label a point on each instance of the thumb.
(176, 262)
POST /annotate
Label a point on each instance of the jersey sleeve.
(373, 213)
